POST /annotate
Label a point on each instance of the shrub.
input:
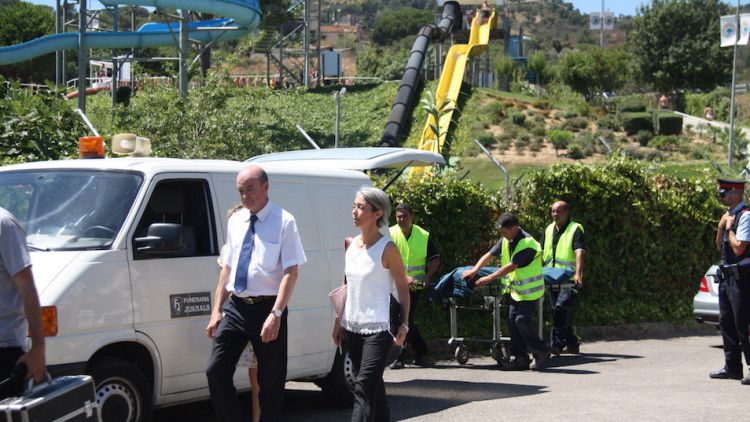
(577, 123)
(538, 131)
(487, 140)
(559, 139)
(680, 216)
(633, 123)
(608, 122)
(518, 118)
(644, 137)
(668, 123)
(665, 143)
(632, 104)
(36, 127)
(541, 104)
(575, 152)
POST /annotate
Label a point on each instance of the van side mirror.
(161, 237)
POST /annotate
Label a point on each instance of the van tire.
(122, 393)
(338, 385)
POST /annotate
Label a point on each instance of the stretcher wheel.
(496, 351)
(461, 354)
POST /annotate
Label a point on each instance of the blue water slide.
(240, 18)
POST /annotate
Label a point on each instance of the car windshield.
(69, 209)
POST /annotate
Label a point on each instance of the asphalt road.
(645, 380)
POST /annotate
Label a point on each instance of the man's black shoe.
(556, 350)
(517, 364)
(540, 360)
(724, 374)
(397, 364)
(573, 349)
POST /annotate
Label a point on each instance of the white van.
(124, 257)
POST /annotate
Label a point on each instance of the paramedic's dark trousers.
(734, 317)
(564, 299)
(8, 358)
(243, 322)
(368, 353)
(414, 337)
(523, 335)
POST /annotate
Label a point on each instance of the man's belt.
(254, 299)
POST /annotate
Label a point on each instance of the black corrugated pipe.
(403, 105)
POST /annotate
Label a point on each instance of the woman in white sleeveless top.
(373, 265)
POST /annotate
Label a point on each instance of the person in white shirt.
(373, 265)
(254, 288)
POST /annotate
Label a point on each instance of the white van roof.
(366, 158)
(151, 166)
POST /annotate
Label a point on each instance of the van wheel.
(338, 385)
(122, 393)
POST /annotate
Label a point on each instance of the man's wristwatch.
(277, 312)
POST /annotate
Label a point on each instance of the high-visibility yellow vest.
(564, 255)
(413, 250)
(526, 283)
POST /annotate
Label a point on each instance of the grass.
(484, 171)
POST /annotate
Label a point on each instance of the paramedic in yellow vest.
(422, 262)
(565, 238)
(521, 264)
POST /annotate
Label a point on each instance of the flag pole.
(734, 88)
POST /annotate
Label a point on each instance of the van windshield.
(69, 209)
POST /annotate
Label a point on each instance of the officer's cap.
(727, 185)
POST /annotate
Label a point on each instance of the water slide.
(451, 79)
(402, 107)
(240, 18)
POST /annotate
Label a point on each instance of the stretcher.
(463, 296)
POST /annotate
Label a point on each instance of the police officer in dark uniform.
(732, 238)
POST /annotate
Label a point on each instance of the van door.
(173, 268)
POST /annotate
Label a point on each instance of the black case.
(68, 398)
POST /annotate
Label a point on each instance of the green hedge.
(460, 217)
(649, 236)
(633, 123)
(718, 99)
(668, 123)
(41, 126)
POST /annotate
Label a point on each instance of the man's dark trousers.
(523, 336)
(734, 317)
(368, 353)
(8, 358)
(242, 322)
(414, 337)
(562, 323)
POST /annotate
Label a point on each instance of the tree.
(21, 22)
(594, 70)
(396, 24)
(676, 44)
(540, 65)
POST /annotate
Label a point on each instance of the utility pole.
(82, 55)
(601, 31)
(58, 53)
(184, 50)
(734, 89)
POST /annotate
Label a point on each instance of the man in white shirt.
(258, 277)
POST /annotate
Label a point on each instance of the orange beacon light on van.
(91, 147)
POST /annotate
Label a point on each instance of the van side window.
(184, 206)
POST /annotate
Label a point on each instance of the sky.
(618, 7)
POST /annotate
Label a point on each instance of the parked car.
(706, 301)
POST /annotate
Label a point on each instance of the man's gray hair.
(378, 200)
